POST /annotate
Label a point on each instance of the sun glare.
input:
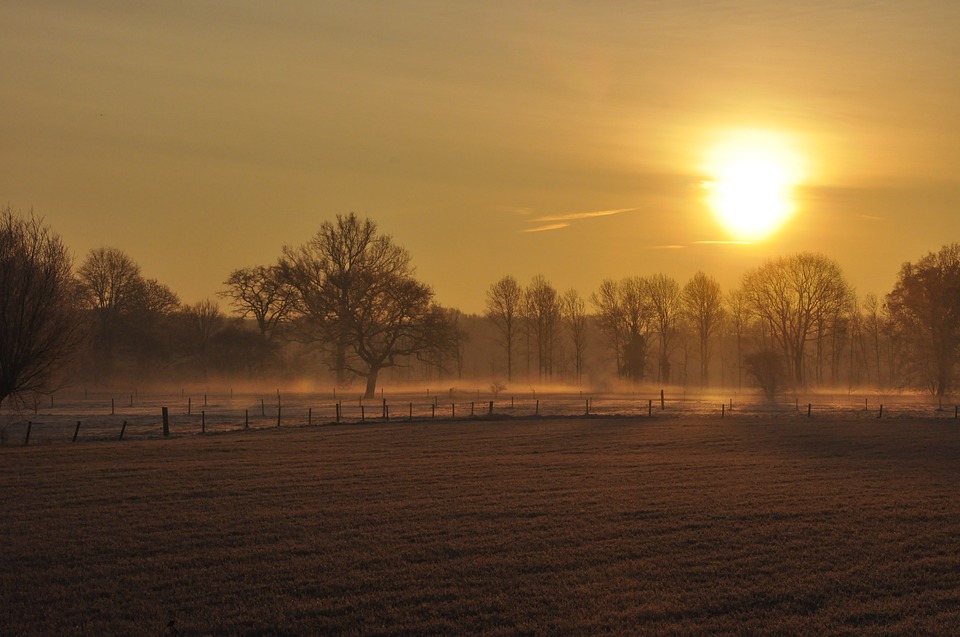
(751, 180)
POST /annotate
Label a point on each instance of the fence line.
(165, 415)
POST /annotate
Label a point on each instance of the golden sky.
(200, 137)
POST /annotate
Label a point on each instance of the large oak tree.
(356, 292)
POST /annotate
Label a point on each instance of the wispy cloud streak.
(573, 216)
(557, 222)
(552, 226)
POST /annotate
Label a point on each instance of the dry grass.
(589, 526)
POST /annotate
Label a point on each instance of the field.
(751, 524)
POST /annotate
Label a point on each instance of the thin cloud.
(552, 226)
(573, 216)
(557, 222)
(671, 246)
(725, 243)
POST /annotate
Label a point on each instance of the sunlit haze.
(752, 177)
(580, 141)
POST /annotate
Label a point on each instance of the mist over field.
(432, 318)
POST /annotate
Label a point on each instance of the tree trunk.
(509, 355)
(371, 382)
(340, 363)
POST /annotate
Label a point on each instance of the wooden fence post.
(278, 414)
(76, 432)
(661, 401)
(203, 422)
(246, 418)
(26, 441)
(650, 407)
(491, 408)
(122, 429)
(166, 422)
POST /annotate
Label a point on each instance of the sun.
(752, 176)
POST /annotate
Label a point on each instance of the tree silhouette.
(664, 295)
(738, 311)
(357, 291)
(204, 321)
(702, 303)
(505, 309)
(262, 292)
(542, 309)
(766, 367)
(789, 295)
(574, 312)
(925, 309)
(39, 322)
(623, 316)
(110, 282)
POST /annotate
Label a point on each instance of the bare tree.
(206, 320)
(788, 295)
(39, 323)
(543, 311)
(739, 314)
(504, 309)
(157, 298)
(149, 328)
(574, 312)
(872, 326)
(623, 316)
(358, 292)
(610, 321)
(664, 295)
(925, 311)
(262, 292)
(109, 282)
(458, 338)
(703, 306)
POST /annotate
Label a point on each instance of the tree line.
(347, 304)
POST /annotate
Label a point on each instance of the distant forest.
(346, 309)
